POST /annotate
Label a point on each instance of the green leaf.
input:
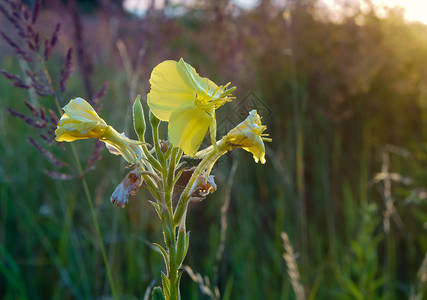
(353, 288)
(168, 228)
(156, 207)
(228, 288)
(157, 294)
(178, 280)
(187, 242)
(164, 253)
(166, 286)
(182, 246)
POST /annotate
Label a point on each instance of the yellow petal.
(79, 109)
(249, 136)
(192, 79)
(258, 151)
(169, 90)
(70, 130)
(187, 128)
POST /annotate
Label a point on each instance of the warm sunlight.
(414, 10)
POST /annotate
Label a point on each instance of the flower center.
(210, 101)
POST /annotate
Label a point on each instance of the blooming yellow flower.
(80, 121)
(187, 101)
(249, 136)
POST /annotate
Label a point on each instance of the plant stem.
(173, 268)
(170, 174)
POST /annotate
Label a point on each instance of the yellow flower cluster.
(179, 96)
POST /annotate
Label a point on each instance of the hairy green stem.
(156, 141)
(173, 268)
(170, 174)
(154, 162)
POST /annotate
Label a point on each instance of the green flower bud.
(139, 119)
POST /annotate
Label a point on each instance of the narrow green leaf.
(157, 294)
(166, 286)
(168, 228)
(187, 242)
(180, 247)
(164, 253)
(156, 207)
(178, 280)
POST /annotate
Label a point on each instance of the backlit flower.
(80, 121)
(249, 136)
(187, 101)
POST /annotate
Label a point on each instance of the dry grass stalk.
(291, 263)
(204, 283)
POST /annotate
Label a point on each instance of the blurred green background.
(344, 97)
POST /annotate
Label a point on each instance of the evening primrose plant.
(187, 102)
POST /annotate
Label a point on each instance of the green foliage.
(157, 293)
(359, 274)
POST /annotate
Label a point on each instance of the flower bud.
(139, 119)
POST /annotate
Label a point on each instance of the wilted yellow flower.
(80, 121)
(249, 136)
(187, 101)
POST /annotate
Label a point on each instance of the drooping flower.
(80, 121)
(187, 101)
(127, 187)
(249, 136)
(202, 187)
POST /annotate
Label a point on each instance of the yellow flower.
(187, 101)
(249, 136)
(80, 121)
